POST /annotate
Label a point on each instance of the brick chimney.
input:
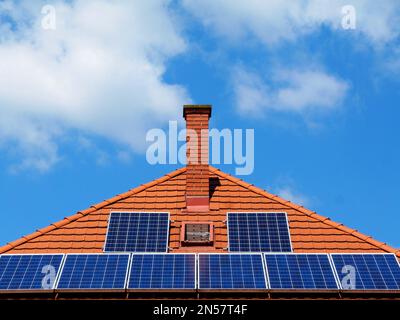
(197, 173)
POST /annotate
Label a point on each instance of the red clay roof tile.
(85, 231)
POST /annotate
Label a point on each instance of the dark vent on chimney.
(197, 233)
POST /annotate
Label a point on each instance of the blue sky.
(77, 101)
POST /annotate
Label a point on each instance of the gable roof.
(85, 231)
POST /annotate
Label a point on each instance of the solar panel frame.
(56, 288)
(301, 289)
(163, 289)
(60, 271)
(131, 212)
(234, 289)
(360, 253)
(266, 212)
(36, 290)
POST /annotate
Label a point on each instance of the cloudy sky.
(79, 92)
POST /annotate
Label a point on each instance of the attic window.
(197, 233)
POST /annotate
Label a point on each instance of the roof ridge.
(89, 210)
(92, 208)
(313, 214)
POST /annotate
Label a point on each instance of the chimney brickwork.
(197, 173)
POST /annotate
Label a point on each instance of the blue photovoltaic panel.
(300, 271)
(231, 271)
(163, 271)
(372, 271)
(94, 271)
(137, 232)
(258, 232)
(29, 272)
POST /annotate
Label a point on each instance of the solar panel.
(29, 272)
(137, 232)
(300, 271)
(260, 232)
(163, 271)
(231, 271)
(94, 271)
(367, 271)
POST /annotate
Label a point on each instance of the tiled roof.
(85, 231)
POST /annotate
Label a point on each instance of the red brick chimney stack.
(197, 173)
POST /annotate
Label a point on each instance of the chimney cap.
(197, 108)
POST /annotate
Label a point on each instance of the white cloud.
(299, 91)
(100, 72)
(35, 142)
(287, 193)
(280, 20)
(100, 156)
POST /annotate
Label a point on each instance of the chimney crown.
(196, 109)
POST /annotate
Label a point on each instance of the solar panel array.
(218, 272)
(231, 271)
(259, 232)
(300, 271)
(29, 272)
(367, 271)
(163, 271)
(137, 232)
(94, 271)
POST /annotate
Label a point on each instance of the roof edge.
(313, 214)
(380, 245)
(11, 245)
